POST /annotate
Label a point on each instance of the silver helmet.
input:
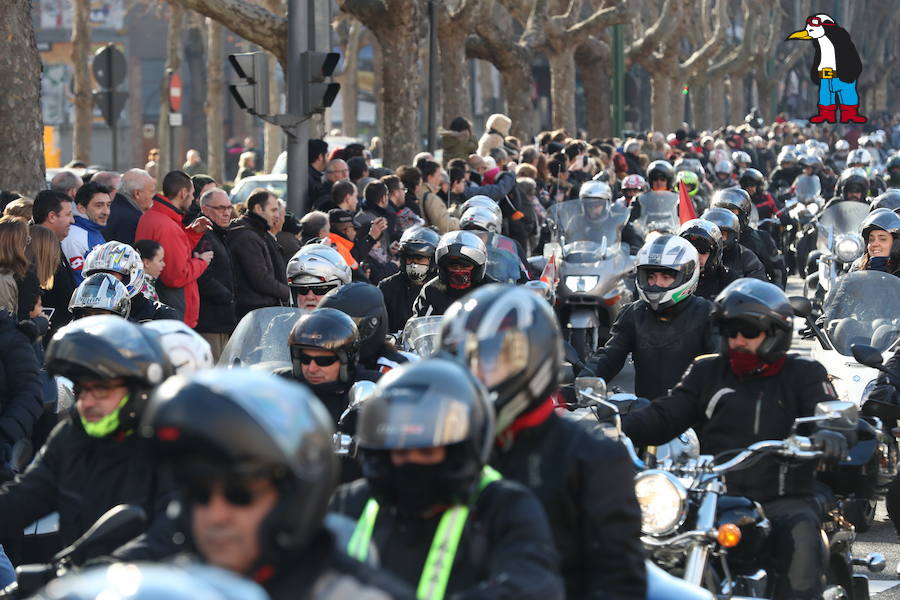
(100, 291)
(318, 264)
(116, 257)
(483, 201)
(480, 218)
(598, 190)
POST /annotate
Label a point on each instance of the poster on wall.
(57, 14)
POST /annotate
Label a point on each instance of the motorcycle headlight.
(663, 501)
(582, 283)
(848, 247)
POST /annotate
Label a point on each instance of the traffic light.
(252, 94)
(319, 91)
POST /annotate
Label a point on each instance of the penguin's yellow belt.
(827, 73)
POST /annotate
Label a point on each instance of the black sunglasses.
(733, 328)
(318, 290)
(322, 361)
(235, 493)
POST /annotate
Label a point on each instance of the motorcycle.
(802, 208)
(260, 340)
(591, 266)
(838, 244)
(503, 263)
(421, 335)
(658, 214)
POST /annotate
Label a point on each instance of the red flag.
(686, 210)
(550, 275)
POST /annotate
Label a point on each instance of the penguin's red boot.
(849, 114)
(827, 114)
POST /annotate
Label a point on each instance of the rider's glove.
(831, 443)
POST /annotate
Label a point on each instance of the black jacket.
(216, 285)
(584, 483)
(21, 398)
(713, 282)
(81, 477)
(436, 297)
(60, 294)
(399, 295)
(887, 389)
(762, 244)
(662, 344)
(123, 221)
(259, 270)
(506, 550)
(783, 178)
(143, 309)
(730, 413)
(743, 262)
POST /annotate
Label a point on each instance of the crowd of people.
(464, 479)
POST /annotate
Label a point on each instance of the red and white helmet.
(634, 182)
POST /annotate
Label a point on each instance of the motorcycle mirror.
(837, 415)
(591, 387)
(566, 374)
(867, 355)
(801, 306)
(118, 525)
(360, 392)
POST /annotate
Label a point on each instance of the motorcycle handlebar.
(798, 447)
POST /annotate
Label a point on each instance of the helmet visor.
(416, 416)
(496, 359)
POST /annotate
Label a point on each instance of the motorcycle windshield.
(808, 188)
(843, 217)
(862, 309)
(658, 212)
(422, 335)
(261, 339)
(503, 264)
(578, 223)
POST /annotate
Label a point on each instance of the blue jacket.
(123, 220)
(83, 236)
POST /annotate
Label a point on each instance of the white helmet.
(483, 201)
(116, 257)
(787, 155)
(480, 218)
(100, 291)
(599, 190)
(318, 264)
(739, 156)
(723, 166)
(187, 350)
(842, 145)
(675, 256)
(860, 155)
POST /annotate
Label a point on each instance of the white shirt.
(828, 61)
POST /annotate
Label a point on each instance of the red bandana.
(748, 363)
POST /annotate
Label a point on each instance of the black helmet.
(764, 306)
(326, 329)
(885, 220)
(751, 176)
(462, 246)
(734, 199)
(426, 404)
(889, 200)
(855, 178)
(727, 222)
(510, 339)
(892, 163)
(419, 241)
(249, 423)
(104, 347)
(659, 169)
(364, 303)
(706, 237)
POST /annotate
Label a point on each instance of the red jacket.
(162, 223)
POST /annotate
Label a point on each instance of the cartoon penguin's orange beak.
(799, 35)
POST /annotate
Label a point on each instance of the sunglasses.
(816, 21)
(322, 361)
(748, 331)
(234, 492)
(318, 290)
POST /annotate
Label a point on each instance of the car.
(277, 184)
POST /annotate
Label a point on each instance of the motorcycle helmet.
(479, 218)
(673, 255)
(885, 220)
(661, 169)
(812, 161)
(239, 422)
(418, 241)
(737, 200)
(188, 352)
(461, 247)
(723, 168)
(889, 200)
(105, 347)
(425, 404)
(595, 197)
(786, 157)
(509, 338)
(853, 179)
(762, 305)
(841, 146)
(317, 265)
(691, 181)
(634, 182)
(484, 201)
(326, 329)
(752, 177)
(364, 303)
(706, 237)
(740, 158)
(119, 258)
(859, 158)
(103, 292)
(727, 222)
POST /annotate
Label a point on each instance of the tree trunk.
(763, 90)
(84, 102)
(454, 74)
(377, 79)
(593, 61)
(661, 102)
(733, 89)
(699, 97)
(486, 85)
(22, 162)
(215, 94)
(136, 114)
(717, 107)
(562, 89)
(350, 80)
(399, 86)
(272, 133)
(167, 155)
(194, 130)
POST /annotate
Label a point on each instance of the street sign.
(110, 104)
(175, 93)
(109, 67)
(175, 119)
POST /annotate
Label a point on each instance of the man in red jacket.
(163, 223)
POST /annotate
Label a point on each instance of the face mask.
(106, 425)
(459, 280)
(420, 488)
(416, 273)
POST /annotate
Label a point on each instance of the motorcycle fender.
(662, 586)
(583, 319)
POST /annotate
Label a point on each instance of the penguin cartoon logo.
(836, 67)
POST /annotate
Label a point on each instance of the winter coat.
(435, 297)
(399, 295)
(177, 284)
(743, 262)
(216, 285)
(21, 398)
(83, 236)
(260, 279)
(60, 294)
(123, 220)
(457, 144)
(9, 293)
(497, 126)
(435, 211)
